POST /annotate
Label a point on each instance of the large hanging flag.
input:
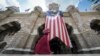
(55, 23)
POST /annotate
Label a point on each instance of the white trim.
(89, 49)
(19, 49)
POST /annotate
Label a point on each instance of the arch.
(73, 37)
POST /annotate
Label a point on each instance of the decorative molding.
(89, 49)
(19, 49)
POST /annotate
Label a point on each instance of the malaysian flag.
(55, 23)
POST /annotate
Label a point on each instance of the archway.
(70, 32)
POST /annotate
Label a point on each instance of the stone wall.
(25, 39)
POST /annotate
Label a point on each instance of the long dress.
(42, 47)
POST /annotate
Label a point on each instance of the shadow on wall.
(95, 25)
(8, 29)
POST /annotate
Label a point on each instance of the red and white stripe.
(57, 28)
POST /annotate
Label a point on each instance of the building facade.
(24, 40)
